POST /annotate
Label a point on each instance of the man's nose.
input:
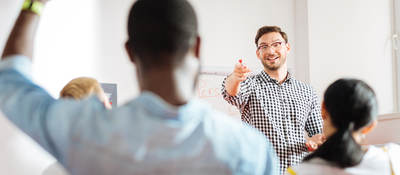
(270, 50)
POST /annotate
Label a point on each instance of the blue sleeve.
(26, 105)
(272, 162)
(262, 152)
(47, 120)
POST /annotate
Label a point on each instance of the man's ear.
(258, 54)
(369, 128)
(288, 47)
(130, 52)
(197, 47)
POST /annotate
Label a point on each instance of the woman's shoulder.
(377, 159)
(393, 147)
(315, 166)
(394, 153)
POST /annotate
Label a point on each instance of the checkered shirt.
(283, 112)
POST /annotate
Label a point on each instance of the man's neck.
(175, 83)
(166, 85)
(279, 75)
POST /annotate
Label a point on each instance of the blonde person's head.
(82, 87)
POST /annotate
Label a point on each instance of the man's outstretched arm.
(20, 41)
(21, 101)
(51, 123)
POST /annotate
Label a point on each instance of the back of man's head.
(160, 30)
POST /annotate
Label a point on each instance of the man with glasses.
(274, 102)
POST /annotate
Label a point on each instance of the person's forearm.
(232, 86)
(22, 35)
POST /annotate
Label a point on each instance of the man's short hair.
(268, 29)
(80, 88)
(161, 27)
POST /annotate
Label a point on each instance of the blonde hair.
(80, 88)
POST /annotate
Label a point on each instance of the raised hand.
(240, 72)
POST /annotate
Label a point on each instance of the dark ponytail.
(351, 105)
(340, 149)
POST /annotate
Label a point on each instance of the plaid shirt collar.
(268, 78)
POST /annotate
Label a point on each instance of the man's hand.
(239, 74)
(312, 143)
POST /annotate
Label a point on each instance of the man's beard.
(275, 66)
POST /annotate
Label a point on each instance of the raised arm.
(51, 123)
(21, 39)
(232, 83)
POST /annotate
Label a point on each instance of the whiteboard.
(209, 89)
(210, 84)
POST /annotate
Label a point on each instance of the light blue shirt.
(144, 136)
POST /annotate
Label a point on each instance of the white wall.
(352, 39)
(66, 44)
(386, 131)
(396, 39)
(112, 62)
(302, 60)
(228, 28)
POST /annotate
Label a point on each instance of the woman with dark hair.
(349, 110)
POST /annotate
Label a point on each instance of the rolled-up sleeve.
(23, 102)
(314, 122)
(241, 99)
(47, 120)
(19, 63)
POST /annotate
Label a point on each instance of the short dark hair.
(351, 104)
(161, 27)
(268, 29)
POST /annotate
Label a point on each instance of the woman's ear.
(367, 129)
(324, 113)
